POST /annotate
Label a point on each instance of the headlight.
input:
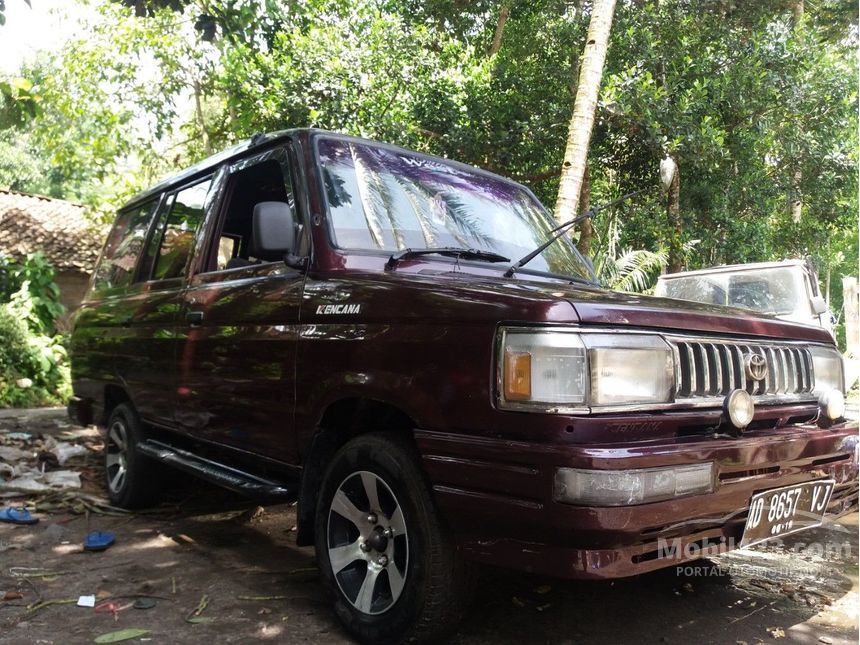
(547, 368)
(563, 370)
(827, 369)
(628, 487)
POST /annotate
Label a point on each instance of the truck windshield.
(388, 200)
(779, 291)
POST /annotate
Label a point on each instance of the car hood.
(594, 305)
(601, 307)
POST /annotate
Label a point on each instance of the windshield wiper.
(562, 228)
(448, 251)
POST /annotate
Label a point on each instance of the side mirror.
(273, 231)
(819, 305)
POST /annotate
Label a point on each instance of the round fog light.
(832, 404)
(740, 408)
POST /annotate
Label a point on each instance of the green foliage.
(18, 102)
(33, 366)
(29, 286)
(626, 269)
(758, 111)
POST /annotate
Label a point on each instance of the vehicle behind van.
(788, 290)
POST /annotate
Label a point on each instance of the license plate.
(781, 511)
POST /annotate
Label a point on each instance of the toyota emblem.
(756, 366)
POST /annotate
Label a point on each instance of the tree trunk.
(504, 12)
(586, 228)
(584, 106)
(201, 121)
(852, 315)
(673, 213)
(797, 10)
(795, 202)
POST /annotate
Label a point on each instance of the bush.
(31, 284)
(33, 365)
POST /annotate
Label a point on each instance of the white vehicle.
(788, 289)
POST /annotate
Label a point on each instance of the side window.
(176, 242)
(123, 248)
(263, 181)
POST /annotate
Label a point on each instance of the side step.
(218, 473)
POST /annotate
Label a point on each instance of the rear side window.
(123, 248)
(180, 230)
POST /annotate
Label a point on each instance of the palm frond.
(632, 270)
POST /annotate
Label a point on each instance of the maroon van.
(314, 317)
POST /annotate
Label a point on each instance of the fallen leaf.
(12, 595)
(825, 639)
(776, 632)
(121, 635)
(199, 619)
(543, 589)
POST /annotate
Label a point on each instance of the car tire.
(133, 480)
(389, 566)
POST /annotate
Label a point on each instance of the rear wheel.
(133, 481)
(383, 553)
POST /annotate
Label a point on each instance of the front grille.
(715, 368)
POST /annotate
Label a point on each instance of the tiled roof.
(57, 228)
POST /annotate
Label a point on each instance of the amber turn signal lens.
(518, 376)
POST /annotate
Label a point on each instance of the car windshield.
(774, 291)
(387, 199)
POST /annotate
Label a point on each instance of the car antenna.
(560, 230)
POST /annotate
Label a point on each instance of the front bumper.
(496, 496)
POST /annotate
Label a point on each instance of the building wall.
(73, 286)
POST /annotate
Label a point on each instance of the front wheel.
(382, 550)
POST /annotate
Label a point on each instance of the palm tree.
(584, 106)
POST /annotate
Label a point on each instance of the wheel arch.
(342, 420)
(114, 395)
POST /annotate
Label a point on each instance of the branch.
(504, 12)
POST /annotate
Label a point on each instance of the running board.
(218, 473)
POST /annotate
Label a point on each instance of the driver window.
(266, 181)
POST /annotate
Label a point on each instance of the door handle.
(194, 317)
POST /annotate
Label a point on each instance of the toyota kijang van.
(413, 350)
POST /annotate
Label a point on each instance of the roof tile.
(57, 228)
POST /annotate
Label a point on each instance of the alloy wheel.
(116, 456)
(368, 545)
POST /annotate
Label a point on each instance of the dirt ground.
(222, 570)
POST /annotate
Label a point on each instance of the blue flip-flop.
(98, 540)
(17, 516)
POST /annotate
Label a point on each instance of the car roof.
(209, 164)
(726, 268)
(265, 140)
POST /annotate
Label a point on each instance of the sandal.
(17, 516)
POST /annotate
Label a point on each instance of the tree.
(741, 95)
(584, 107)
(3, 11)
